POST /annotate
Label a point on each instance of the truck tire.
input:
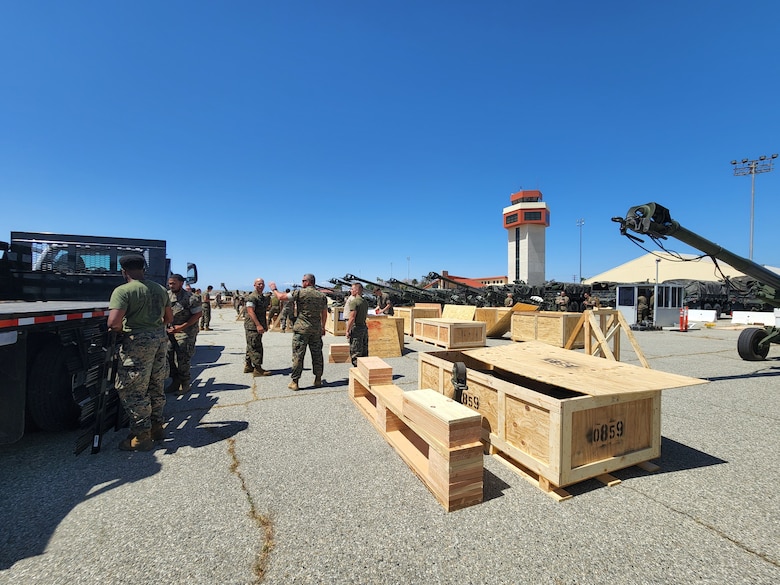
(50, 403)
(747, 345)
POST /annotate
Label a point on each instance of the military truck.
(56, 355)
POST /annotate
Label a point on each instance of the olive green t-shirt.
(144, 303)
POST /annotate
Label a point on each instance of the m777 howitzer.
(396, 296)
(421, 295)
(469, 295)
(655, 221)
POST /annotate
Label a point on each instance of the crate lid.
(577, 371)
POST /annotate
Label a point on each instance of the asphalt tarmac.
(259, 484)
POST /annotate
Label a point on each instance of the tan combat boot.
(184, 387)
(261, 372)
(140, 442)
(293, 385)
(318, 381)
(248, 368)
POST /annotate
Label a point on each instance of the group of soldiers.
(157, 330)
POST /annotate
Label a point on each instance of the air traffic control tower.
(526, 220)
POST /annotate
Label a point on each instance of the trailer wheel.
(50, 403)
(747, 345)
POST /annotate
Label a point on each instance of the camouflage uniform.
(382, 300)
(142, 368)
(182, 346)
(358, 337)
(254, 339)
(274, 310)
(287, 315)
(307, 331)
(205, 319)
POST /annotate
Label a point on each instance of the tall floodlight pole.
(580, 223)
(752, 167)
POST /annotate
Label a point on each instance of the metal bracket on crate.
(459, 380)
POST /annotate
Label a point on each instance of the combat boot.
(158, 432)
(293, 385)
(173, 386)
(261, 372)
(248, 368)
(184, 387)
(140, 442)
(318, 381)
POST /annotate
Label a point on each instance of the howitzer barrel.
(655, 221)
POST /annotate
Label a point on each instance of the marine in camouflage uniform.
(255, 324)
(187, 310)
(357, 332)
(205, 319)
(139, 310)
(312, 310)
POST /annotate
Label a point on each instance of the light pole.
(580, 223)
(655, 293)
(752, 167)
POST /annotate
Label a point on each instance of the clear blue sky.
(270, 139)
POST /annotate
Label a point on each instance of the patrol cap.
(132, 262)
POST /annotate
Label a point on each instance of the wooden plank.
(338, 353)
(577, 371)
(459, 312)
(449, 422)
(375, 370)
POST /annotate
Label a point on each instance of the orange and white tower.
(526, 220)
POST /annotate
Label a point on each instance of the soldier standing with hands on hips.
(308, 329)
(255, 324)
(182, 333)
(140, 310)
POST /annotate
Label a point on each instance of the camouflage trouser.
(254, 349)
(358, 343)
(205, 317)
(179, 357)
(140, 378)
(299, 344)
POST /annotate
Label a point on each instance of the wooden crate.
(385, 336)
(338, 353)
(450, 333)
(409, 314)
(548, 326)
(459, 312)
(436, 437)
(563, 416)
(337, 321)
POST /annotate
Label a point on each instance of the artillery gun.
(422, 295)
(655, 221)
(469, 295)
(396, 295)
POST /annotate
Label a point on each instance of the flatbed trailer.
(53, 357)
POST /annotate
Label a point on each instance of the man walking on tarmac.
(357, 332)
(255, 324)
(140, 310)
(187, 311)
(309, 328)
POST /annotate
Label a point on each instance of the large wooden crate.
(548, 326)
(564, 416)
(497, 320)
(385, 336)
(436, 437)
(450, 333)
(409, 314)
(336, 323)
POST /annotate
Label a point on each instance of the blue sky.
(385, 138)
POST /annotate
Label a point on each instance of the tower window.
(510, 219)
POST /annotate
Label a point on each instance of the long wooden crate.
(409, 314)
(547, 326)
(498, 320)
(436, 437)
(561, 415)
(450, 333)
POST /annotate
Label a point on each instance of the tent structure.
(669, 267)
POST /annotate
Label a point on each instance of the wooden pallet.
(557, 493)
(436, 437)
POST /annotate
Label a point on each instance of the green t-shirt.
(144, 303)
(360, 306)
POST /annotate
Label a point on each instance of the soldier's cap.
(132, 262)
